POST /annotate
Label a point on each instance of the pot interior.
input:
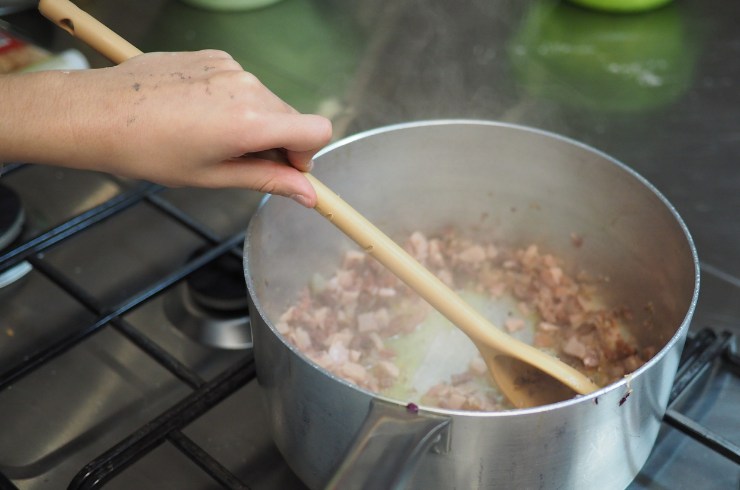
(516, 185)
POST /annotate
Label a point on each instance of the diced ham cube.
(419, 246)
(353, 372)
(574, 347)
(346, 278)
(514, 324)
(302, 339)
(367, 322)
(338, 352)
(473, 255)
(388, 369)
(548, 327)
(353, 258)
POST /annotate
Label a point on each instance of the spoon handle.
(88, 29)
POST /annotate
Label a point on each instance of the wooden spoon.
(527, 376)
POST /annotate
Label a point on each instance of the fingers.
(302, 135)
(268, 122)
(264, 176)
(300, 151)
(299, 135)
(302, 160)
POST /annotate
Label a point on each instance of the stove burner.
(210, 306)
(12, 218)
(219, 286)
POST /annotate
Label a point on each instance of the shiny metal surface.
(367, 64)
(89, 398)
(207, 327)
(539, 188)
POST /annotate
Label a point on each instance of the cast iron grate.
(702, 350)
(204, 396)
(700, 353)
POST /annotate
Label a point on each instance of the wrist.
(46, 118)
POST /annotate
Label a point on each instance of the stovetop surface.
(400, 61)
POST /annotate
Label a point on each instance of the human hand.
(178, 119)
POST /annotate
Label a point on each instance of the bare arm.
(178, 119)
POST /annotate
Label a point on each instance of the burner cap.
(11, 216)
(219, 285)
(210, 306)
(214, 330)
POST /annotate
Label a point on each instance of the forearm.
(21, 115)
(35, 121)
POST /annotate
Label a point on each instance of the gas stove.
(116, 351)
(118, 368)
(121, 365)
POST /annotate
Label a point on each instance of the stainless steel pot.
(517, 184)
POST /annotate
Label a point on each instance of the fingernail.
(300, 199)
(309, 166)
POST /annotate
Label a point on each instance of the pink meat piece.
(514, 324)
(474, 254)
(338, 352)
(345, 278)
(387, 369)
(548, 327)
(574, 347)
(419, 246)
(436, 257)
(354, 372)
(372, 321)
(353, 258)
(302, 339)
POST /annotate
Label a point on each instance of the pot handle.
(389, 446)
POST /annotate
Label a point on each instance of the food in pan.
(364, 325)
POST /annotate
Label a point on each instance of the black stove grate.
(167, 427)
(205, 395)
(702, 350)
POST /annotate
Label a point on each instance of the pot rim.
(675, 338)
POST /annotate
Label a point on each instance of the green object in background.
(623, 6)
(600, 61)
(300, 52)
(230, 5)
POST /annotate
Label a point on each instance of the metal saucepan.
(533, 187)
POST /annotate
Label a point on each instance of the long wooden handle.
(88, 29)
